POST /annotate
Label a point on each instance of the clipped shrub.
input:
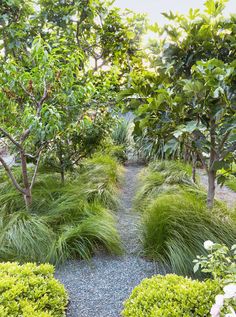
(171, 296)
(175, 227)
(30, 291)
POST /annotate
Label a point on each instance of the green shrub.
(220, 263)
(175, 227)
(169, 167)
(171, 296)
(30, 291)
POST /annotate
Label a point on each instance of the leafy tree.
(102, 34)
(29, 115)
(61, 94)
(16, 29)
(211, 106)
(188, 97)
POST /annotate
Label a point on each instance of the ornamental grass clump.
(30, 291)
(175, 227)
(65, 221)
(175, 219)
(163, 177)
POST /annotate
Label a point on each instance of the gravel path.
(99, 288)
(222, 192)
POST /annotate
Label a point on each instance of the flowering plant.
(220, 263)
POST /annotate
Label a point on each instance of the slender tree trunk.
(62, 175)
(194, 162)
(211, 189)
(211, 171)
(62, 164)
(27, 189)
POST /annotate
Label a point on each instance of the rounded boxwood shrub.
(30, 291)
(171, 296)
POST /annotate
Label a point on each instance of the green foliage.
(184, 100)
(119, 143)
(220, 262)
(24, 237)
(161, 177)
(231, 183)
(176, 225)
(171, 295)
(64, 222)
(59, 76)
(81, 240)
(120, 134)
(30, 291)
(175, 220)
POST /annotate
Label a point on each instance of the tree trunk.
(27, 189)
(62, 175)
(194, 162)
(62, 164)
(211, 171)
(211, 189)
(28, 198)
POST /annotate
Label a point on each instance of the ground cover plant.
(31, 290)
(66, 221)
(175, 219)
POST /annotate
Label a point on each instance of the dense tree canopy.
(62, 64)
(186, 98)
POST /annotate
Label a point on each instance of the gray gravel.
(222, 192)
(99, 288)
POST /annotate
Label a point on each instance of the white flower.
(208, 245)
(215, 311)
(230, 291)
(219, 300)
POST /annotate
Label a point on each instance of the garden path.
(222, 192)
(98, 288)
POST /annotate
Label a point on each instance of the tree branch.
(29, 94)
(224, 139)
(202, 160)
(35, 171)
(12, 177)
(25, 135)
(11, 138)
(39, 104)
(44, 97)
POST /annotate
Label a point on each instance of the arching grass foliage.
(175, 220)
(65, 221)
